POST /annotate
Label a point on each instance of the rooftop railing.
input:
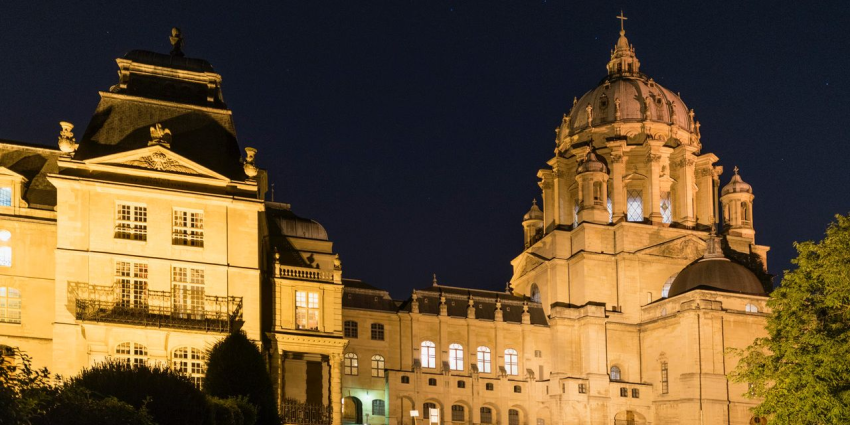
(303, 273)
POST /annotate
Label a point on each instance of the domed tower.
(532, 223)
(592, 181)
(737, 204)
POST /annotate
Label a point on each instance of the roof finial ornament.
(176, 42)
(622, 19)
(434, 282)
(735, 170)
(160, 136)
(67, 142)
(248, 166)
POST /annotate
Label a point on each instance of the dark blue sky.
(413, 130)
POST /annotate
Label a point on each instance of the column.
(336, 388)
(547, 184)
(618, 170)
(653, 160)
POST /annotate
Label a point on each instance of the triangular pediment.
(158, 159)
(5, 172)
(689, 247)
(527, 263)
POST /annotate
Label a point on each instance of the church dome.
(715, 272)
(534, 213)
(736, 185)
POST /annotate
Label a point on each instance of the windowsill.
(176, 245)
(131, 240)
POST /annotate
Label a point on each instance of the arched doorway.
(352, 410)
(629, 417)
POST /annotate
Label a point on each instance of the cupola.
(592, 181)
(736, 200)
(623, 60)
(532, 224)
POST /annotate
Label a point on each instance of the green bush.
(232, 411)
(78, 406)
(170, 398)
(235, 367)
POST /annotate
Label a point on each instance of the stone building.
(151, 239)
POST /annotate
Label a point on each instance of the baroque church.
(151, 238)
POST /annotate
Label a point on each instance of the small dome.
(736, 185)
(717, 274)
(592, 164)
(534, 213)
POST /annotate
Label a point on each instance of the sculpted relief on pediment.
(161, 162)
(686, 247)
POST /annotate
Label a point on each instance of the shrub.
(232, 411)
(78, 406)
(235, 367)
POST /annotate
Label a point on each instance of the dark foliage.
(232, 411)
(235, 367)
(78, 406)
(169, 397)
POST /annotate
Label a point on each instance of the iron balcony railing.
(159, 309)
(296, 412)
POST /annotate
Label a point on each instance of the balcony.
(158, 309)
(303, 273)
(296, 412)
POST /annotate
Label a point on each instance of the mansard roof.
(361, 295)
(457, 300)
(34, 163)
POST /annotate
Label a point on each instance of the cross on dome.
(623, 59)
(622, 19)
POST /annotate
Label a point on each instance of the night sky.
(413, 130)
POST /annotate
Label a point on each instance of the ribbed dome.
(736, 185)
(633, 92)
(716, 273)
(592, 163)
(534, 213)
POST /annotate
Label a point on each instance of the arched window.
(428, 354)
(426, 410)
(456, 357)
(666, 208)
(615, 373)
(131, 353)
(575, 213)
(350, 329)
(745, 212)
(486, 415)
(458, 413)
(634, 205)
(378, 366)
(535, 293)
(610, 209)
(405, 379)
(513, 417)
(751, 308)
(378, 408)
(377, 332)
(511, 362)
(190, 362)
(10, 305)
(350, 364)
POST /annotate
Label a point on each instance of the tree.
(235, 367)
(802, 368)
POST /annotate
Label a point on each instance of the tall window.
(191, 363)
(307, 310)
(6, 196)
(131, 281)
(610, 209)
(665, 385)
(575, 212)
(634, 205)
(456, 357)
(428, 354)
(10, 305)
(513, 417)
(378, 408)
(188, 228)
(131, 222)
(511, 362)
(187, 292)
(350, 329)
(457, 413)
(666, 208)
(615, 373)
(377, 332)
(486, 415)
(378, 366)
(6, 256)
(131, 353)
(349, 365)
(535, 293)
(426, 410)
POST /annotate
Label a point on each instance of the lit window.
(378, 366)
(5, 256)
(483, 359)
(350, 364)
(131, 353)
(377, 332)
(486, 415)
(307, 310)
(513, 417)
(350, 329)
(428, 354)
(10, 305)
(511, 362)
(132, 282)
(751, 308)
(426, 410)
(666, 208)
(378, 408)
(456, 357)
(6, 196)
(634, 205)
(535, 293)
(457, 413)
(665, 388)
(187, 293)
(610, 210)
(188, 228)
(615, 373)
(575, 213)
(131, 222)
(191, 363)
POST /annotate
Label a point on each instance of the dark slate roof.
(34, 162)
(485, 304)
(205, 136)
(361, 295)
(169, 61)
(283, 223)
